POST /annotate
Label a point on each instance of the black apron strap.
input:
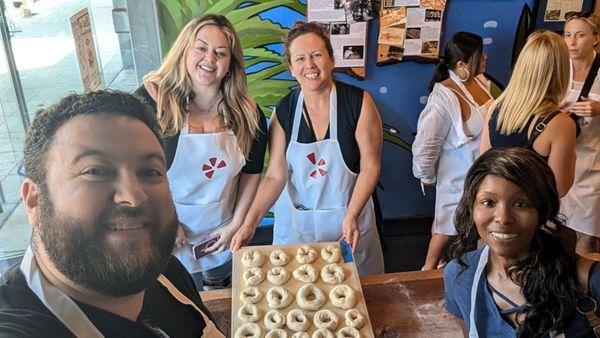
(589, 80)
(539, 127)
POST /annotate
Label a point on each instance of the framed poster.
(550, 14)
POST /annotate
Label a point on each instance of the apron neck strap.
(483, 259)
(60, 305)
(332, 115)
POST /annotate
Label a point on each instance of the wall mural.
(399, 91)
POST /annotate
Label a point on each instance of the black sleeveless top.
(518, 139)
(349, 104)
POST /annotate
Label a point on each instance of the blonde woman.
(215, 141)
(527, 113)
(581, 205)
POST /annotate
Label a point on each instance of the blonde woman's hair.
(237, 109)
(538, 83)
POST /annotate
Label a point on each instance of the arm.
(562, 152)
(269, 188)
(484, 142)
(369, 138)
(432, 129)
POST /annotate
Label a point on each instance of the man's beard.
(83, 254)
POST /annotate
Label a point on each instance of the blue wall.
(400, 90)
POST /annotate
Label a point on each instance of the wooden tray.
(351, 279)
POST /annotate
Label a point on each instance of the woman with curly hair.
(215, 142)
(524, 282)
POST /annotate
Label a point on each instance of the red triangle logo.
(222, 164)
(322, 172)
(210, 173)
(212, 160)
(311, 158)
(321, 162)
(313, 174)
(206, 167)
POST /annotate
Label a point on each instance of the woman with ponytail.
(448, 131)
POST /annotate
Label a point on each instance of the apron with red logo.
(204, 180)
(315, 199)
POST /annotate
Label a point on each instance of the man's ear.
(30, 192)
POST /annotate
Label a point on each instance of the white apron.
(204, 180)
(483, 259)
(581, 205)
(453, 164)
(315, 200)
(68, 312)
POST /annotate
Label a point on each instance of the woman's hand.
(350, 231)
(586, 108)
(180, 239)
(225, 233)
(242, 237)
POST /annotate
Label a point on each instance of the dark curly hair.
(47, 121)
(547, 277)
(301, 28)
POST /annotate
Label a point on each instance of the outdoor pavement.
(45, 55)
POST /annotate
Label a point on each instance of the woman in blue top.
(524, 281)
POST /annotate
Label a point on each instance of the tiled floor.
(45, 56)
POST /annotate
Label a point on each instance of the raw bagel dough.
(248, 330)
(277, 333)
(251, 295)
(306, 273)
(300, 335)
(331, 253)
(253, 259)
(306, 254)
(348, 332)
(297, 320)
(332, 274)
(274, 320)
(342, 296)
(249, 313)
(325, 319)
(310, 297)
(254, 276)
(278, 297)
(278, 275)
(354, 318)
(323, 333)
(279, 257)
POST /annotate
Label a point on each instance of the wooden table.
(404, 304)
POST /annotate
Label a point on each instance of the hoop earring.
(466, 78)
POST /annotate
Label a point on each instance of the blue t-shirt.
(457, 290)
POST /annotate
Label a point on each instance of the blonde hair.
(538, 83)
(237, 109)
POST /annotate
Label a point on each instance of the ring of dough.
(253, 259)
(254, 276)
(306, 254)
(278, 297)
(278, 275)
(277, 333)
(325, 319)
(251, 295)
(297, 320)
(249, 313)
(323, 333)
(354, 318)
(331, 253)
(310, 297)
(248, 330)
(279, 257)
(274, 320)
(342, 296)
(348, 332)
(300, 335)
(306, 273)
(332, 274)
